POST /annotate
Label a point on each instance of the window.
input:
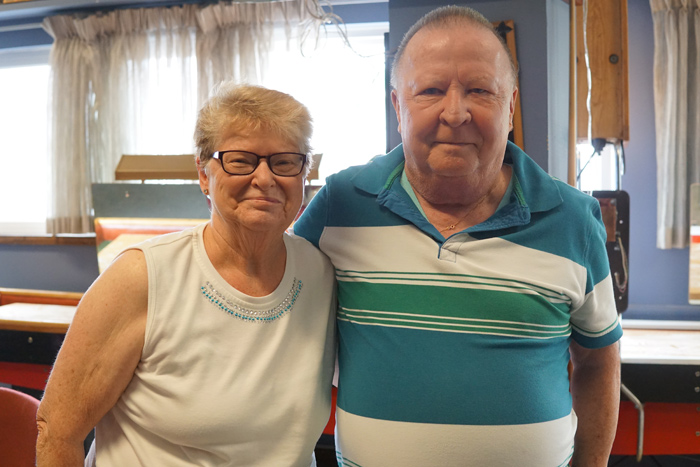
(342, 87)
(597, 170)
(344, 90)
(167, 113)
(24, 77)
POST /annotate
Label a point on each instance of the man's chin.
(450, 188)
(453, 172)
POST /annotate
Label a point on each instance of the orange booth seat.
(18, 430)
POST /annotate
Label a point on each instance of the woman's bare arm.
(96, 362)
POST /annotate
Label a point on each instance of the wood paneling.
(606, 41)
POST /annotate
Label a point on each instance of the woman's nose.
(456, 110)
(262, 175)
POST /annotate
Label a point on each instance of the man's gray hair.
(444, 17)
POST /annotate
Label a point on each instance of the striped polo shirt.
(454, 351)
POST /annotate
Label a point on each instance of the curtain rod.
(20, 27)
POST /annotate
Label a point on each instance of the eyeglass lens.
(287, 164)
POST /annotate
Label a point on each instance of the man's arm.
(595, 389)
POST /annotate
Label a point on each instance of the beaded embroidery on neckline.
(246, 314)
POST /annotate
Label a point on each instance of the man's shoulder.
(544, 191)
(306, 251)
(572, 196)
(346, 175)
(370, 176)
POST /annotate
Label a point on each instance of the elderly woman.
(214, 346)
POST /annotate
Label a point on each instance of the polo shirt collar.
(534, 188)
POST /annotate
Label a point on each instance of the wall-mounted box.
(180, 167)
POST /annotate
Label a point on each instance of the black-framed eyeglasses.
(284, 164)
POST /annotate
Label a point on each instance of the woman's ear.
(203, 176)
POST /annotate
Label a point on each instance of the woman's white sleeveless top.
(226, 379)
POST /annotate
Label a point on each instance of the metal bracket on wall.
(615, 208)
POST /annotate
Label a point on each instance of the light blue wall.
(658, 278)
(73, 267)
(68, 268)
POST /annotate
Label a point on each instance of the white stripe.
(340, 318)
(448, 278)
(461, 285)
(394, 313)
(407, 251)
(439, 278)
(370, 442)
(595, 312)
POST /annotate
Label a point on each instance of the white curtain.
(677, 113)
(109, 69)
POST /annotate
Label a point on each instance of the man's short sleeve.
(595, 322)
(313, 220)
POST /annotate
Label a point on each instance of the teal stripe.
(451, 378)
(599, 341)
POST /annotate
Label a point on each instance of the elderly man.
(467, 278)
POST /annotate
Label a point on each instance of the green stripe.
(397, 275)
(566, 462)
(442, 302)
(344, 460)
(392, 176)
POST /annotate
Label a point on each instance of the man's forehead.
(443, 33)
(429, 44)
(474, 39)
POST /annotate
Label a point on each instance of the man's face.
(454, 101)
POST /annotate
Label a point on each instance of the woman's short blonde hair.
(237, 107)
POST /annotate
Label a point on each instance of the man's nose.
(457, 109)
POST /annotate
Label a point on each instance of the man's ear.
(397, 107)
(513, 100)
